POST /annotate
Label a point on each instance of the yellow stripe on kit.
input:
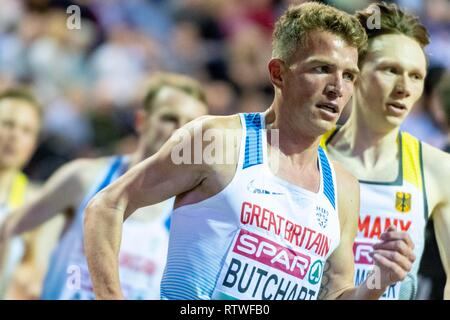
(411, 160)
(17, 195)
(325, 137)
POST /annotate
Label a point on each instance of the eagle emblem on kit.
(403, 202)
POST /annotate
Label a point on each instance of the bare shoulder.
(86, 167)
(348, 193)
(217, 122)
(436, 166)
(213, 135)
(436, 162)
(344, 178)
(81, 173)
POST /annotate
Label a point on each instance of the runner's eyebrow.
(325, 61)
(389, 62)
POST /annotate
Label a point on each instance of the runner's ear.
(276, 68)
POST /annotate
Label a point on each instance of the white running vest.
(141, 260)
(259, 238)
(401, 203)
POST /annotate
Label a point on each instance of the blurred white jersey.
(142, 255)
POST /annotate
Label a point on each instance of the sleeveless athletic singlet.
(259, 238)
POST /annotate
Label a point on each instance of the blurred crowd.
(90, 79)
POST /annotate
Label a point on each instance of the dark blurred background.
(90, 79)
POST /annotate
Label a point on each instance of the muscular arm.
(153, 180)
(442, 226)
(64, 189)
(61, 191)
(437, 175)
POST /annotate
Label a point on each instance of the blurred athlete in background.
(170, 102)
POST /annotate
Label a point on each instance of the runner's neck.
(292, 142)
(356, 140)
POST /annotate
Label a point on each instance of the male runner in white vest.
(247, 228)
(170, 101)
(404, 181)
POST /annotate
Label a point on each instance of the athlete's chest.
(385, 169)
(273, 206)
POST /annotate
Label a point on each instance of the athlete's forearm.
(103, 228)
(30, 217)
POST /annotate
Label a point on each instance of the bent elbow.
(103, 209)
(93, 211)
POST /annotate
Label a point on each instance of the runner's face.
(392, 79)
(319, 81)
(172, 109)
(19, 129)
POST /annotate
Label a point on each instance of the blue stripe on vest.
(253, 140)
(114, 167)
(328, 187)
(167, 222)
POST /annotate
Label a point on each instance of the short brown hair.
(292, 28)
(393, 20)
(23, 94)
(160, 80)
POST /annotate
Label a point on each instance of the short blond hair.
(160, 80)
(292, 28)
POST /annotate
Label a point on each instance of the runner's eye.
(349, 76)
(322, 69)
(417, 76)
(392, 70)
